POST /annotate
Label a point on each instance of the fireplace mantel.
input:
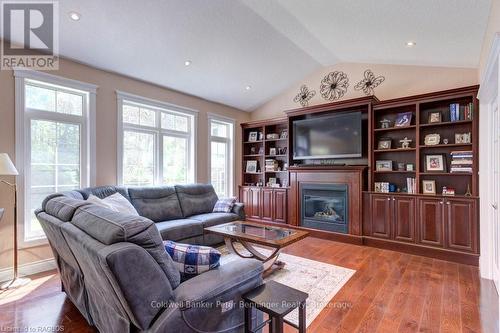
(353, 176)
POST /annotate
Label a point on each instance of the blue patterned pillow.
(192, 260)
(224, 205)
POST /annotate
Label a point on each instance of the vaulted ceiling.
(265, 44)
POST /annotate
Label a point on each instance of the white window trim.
(122, 96)
(231, 161)
(87, 132)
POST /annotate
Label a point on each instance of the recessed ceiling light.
(74, 16)
(187, 62)
(248, 87)
(410, 44)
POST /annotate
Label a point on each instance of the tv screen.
(332, 136)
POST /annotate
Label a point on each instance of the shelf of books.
(433, 150)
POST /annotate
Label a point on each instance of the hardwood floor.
(390, 292)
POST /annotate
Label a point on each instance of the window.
(54, 153)
(221, 146)
(155, 142)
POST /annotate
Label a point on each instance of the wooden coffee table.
(249, 234)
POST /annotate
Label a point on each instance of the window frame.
(230, 141)
(159, 107)
(23, 118)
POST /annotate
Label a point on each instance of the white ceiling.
(267, 44)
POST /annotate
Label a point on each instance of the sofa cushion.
(156, 203)
(63, 207)
(109, 227)
(192, 260)
(116, 202)
(104, 191)
(180, 229)
(196, 198)
(224, 205)
(211, 219)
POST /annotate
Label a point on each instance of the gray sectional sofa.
(116, 271)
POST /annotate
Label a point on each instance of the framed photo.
(282, 151)
(428, 186)
(462, 138)
(432, 139)
(384, 143)
(403, 119)
(435, 163)
(383, 165)
(261, 150)
(434, 117)
(251, 167)
(409, 167)
(272, 151)
(284, 134)
(252, 136)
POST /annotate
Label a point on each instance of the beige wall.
(399, 81)
(492, 28)
(105, 132)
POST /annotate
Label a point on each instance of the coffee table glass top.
(265, 232)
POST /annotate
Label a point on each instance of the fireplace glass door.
(325, 207)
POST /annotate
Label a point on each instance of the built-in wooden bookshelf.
(265, 140)
(416, 130)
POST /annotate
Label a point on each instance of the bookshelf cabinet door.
(404, 219)
(430, 221)
(280, 205)
(461, 224)
(381, 216)
(267, 204)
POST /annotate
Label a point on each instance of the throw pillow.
(224, 205)
(192, 260)
(115, 202)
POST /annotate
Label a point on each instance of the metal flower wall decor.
(334, 85)
(369, 83)
(304, 95)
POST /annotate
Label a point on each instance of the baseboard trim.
(29, 269)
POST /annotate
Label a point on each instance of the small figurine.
(405, 143)
(468, 192)
(385, 123)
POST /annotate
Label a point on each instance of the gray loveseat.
(114, 267)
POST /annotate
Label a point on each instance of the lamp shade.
(7, 168)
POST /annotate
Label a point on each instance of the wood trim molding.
(354, 102)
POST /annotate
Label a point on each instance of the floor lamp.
(7, 168)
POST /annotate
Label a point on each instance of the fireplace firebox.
(325, 207)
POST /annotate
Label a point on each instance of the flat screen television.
(332, 136)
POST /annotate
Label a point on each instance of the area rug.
(320, 280)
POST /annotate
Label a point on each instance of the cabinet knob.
(441, 202)
(448, 203)
(388, 199)
(494, 205)
(393, 199)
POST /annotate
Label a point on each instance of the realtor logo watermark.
(30, 31)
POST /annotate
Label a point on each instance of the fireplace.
(325, 207)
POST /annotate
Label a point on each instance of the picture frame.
(403, 119)
(434, 117)
(251, 167)
(272, 181)
(432, 139)
(284, 134)
(435, 163)
(462, 137)
(428, 187)
(282, 151)
(383, 165)
(409, 167)
(261, 150)
(272, 151)
(252, 136)
(384, 143)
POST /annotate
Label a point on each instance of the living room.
(249, 165)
